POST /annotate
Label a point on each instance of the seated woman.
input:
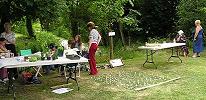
(3, 71)
(77, 44)
(181, 38)
(3, 45)
(68, 51)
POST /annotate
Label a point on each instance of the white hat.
(180, 32)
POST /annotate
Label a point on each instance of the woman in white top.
(94, 39)
(10, 44)
(10, 37)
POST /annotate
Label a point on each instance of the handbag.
(73, 57)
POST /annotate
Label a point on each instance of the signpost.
(111, 34)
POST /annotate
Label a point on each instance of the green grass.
(191, 86)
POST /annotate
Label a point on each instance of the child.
(52, 54)
(181, 38)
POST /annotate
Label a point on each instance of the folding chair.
(28, 52)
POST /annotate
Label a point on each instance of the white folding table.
(153, 49)
(15, 63)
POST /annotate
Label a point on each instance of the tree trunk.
(121, 33)
(129, 40)
(29, 26)
(74, 27)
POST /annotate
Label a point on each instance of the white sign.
(111, 33)
(116, 62)
(62, 90)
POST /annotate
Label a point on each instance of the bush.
(119, 52)
(43, 39)
(102, 55)
(62, 32)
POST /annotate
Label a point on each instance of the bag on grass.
(35, 80)
(27, 77)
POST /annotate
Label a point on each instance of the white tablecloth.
(15, 63)
(162, 46)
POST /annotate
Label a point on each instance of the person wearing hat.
(52, 54)
(94, 39)
(181, 38)
(198, 39)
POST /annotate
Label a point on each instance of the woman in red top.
(2, 45)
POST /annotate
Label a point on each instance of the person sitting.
(9, 35)
(10, 38)
(67, 51)
(3, 71)
(52, 54)
(181, 38)
(3, 45)
(77, 44)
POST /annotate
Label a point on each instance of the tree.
(158, 17)
(15, 10)
(131, 21)
(189, 11)
(110, 11)
(78, 15)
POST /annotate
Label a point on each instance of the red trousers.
(92, 61)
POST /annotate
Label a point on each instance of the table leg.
(177, 54)
(11, 84)
(149, 57)
(37, 70)
(75, 76)
(39, 67)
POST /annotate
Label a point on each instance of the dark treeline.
(132, 20)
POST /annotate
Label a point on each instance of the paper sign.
(111, 33)
(116, 62)
(62, 90)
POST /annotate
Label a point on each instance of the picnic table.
(152, 48)
(15, 63)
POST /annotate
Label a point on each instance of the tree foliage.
(126, 17)
(188, 12)
(15, 10)
(158, 17)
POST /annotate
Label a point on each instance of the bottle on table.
(174, 41)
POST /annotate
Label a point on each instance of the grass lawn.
(120, 83)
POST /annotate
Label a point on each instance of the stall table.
(15, 63)
(152, 48)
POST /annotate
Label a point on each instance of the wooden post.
(111, 47)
